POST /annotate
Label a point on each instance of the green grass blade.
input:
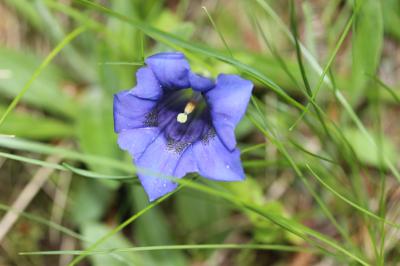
(252, 148)
(389, 90)
(221, 36)
(31, 161)
(297, 145)
(90, 174)
(293, 25)
(326, 69)
(309, 92)
(176, 247)
(274, 51)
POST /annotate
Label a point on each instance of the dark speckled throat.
(179, 136)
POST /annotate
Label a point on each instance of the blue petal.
(135, 141)
(187, 163)
(216, 162)
(147, 86)
(228, 101)
(200, 83)
(171, 69)
(130, 111)
(157, 163)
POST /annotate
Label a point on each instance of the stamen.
(181, 118)
(189, 108)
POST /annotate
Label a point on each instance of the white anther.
(182, 118)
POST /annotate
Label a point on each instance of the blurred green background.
(320, 141)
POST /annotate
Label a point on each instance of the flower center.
(189, 108)
(183, 117)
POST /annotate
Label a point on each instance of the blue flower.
(176, 122)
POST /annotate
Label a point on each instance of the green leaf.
(391, 17)
(366, 151)
(367, 44)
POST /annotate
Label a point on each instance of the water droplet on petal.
(227, 166)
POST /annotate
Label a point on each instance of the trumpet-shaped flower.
(176, 122)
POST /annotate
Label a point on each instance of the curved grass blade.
(90, 174)
(31, 161)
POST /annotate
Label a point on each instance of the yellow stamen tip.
(190, 106)
(181, 118)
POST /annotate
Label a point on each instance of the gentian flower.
(177, 122)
